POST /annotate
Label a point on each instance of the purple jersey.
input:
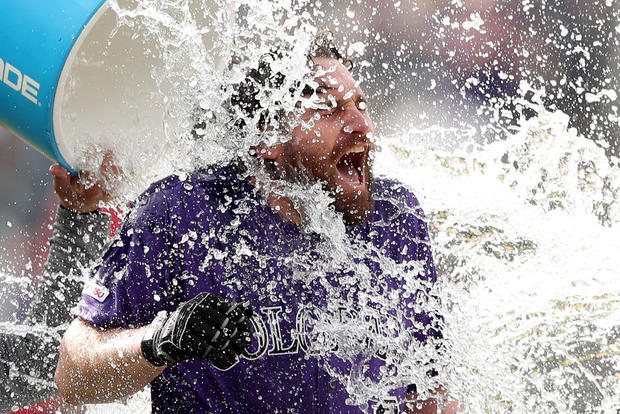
(213, 232)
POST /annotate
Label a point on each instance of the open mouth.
(351, 164)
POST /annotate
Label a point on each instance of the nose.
(356, 121)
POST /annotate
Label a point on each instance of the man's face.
(332, 143)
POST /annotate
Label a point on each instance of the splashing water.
(524, 233)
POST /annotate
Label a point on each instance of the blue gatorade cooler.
(71, 77)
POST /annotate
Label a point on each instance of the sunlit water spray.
(528, 279)
(524, 233)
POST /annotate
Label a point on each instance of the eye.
(307, 91)
(321, 90)
(330, 105)
(333, 102)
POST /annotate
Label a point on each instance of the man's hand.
(205, 327)
(77, 194)
(82, 194)
(430, 406)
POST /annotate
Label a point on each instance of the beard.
(355, 208)
(356, 205)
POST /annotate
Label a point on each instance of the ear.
(268, 153)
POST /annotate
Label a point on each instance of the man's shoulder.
(397, 210)
(184, 198)
(398, 224)
(391, 192)
(196, 186)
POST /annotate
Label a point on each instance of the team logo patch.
(95, 291)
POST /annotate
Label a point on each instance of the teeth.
(357, 148)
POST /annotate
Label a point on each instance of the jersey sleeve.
(134, 279)
(419, 256)
(403, 230)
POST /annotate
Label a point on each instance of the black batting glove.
(205, 327)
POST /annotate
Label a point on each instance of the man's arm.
(104, 365)
(430, 406)
(98, 366)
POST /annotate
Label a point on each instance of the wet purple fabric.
(211, 231)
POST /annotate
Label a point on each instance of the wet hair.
(325, 47)
(244, 97)
(245, 94)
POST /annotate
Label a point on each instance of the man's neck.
(282, 205)
(285, 208)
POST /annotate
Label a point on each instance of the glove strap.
(147, 346)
